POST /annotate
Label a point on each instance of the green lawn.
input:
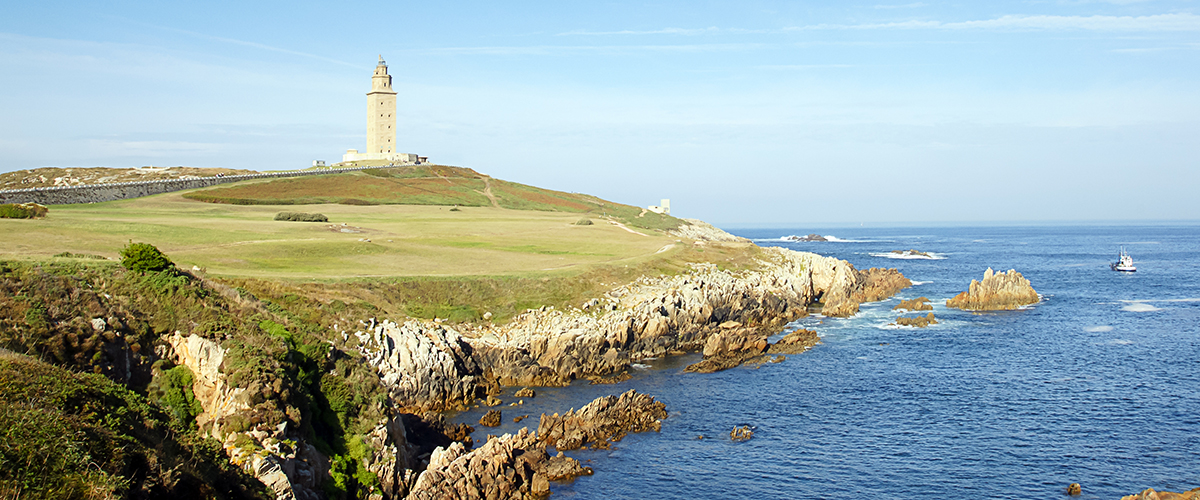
(405, 240)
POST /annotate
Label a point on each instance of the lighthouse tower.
(381, 112)
(381, 126)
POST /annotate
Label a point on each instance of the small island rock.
(998, 291)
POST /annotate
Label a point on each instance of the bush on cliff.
(143, 258)
(72, 435)
(301, 217)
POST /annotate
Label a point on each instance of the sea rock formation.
(490, 419)
(810, 237)
(919, 321)
(735, 346)
(1150, 494)
(505, 467)
(997, 291)
(605, 419)
(742, 433)
(427, 365)
(917, 304)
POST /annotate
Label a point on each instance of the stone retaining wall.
(96, 193)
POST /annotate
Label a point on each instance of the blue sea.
(1098, 384)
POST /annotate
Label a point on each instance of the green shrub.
(144, 257)
(173, 389)
(356, 201)
(583, 222)
(301, 217)
(22, 211)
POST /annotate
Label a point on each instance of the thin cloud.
(244, 43)
(561, 49)
(905, 6)
(1160, 22)
(664, 31)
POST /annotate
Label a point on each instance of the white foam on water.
(1120, 342)
(835, 239)
(639, 366)
(1140, 307)
(1098, 329)
(892, 255)
(918, 283)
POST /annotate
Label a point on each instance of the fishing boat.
(1124, 263)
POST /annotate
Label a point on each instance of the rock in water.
(1150, 494)
(997, 291)
(506, 467)
(1074, 489)
(525, 393)
(742, 433)
(490, 419)
(919, 321)
(917, 304)
(604, 419)
(795, 343)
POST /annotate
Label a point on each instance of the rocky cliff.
(997, 291)
(431, 366)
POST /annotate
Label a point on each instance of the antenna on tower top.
(380, 58)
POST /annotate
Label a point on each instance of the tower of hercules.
(381, 112)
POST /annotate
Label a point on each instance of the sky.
(748, 113)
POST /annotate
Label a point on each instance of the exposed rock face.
(204, 357)
(564, 468)
(919, 321)
(997, 291)
(917, 304)
(505, 467)
(697, 229)
(1150, 494)
(525, 392)
(423, 365)
(605, 419)
(291, 471)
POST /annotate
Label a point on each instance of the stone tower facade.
(381, 112)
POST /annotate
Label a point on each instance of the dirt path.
(487, 191)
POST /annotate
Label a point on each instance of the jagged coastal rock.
(699, 230)
(427, 365)
(917, 304)
(735, 346)
(810, 237)
(918, 321)
(997, 291)
(507, 466)
(1150, 494)
(603, 420)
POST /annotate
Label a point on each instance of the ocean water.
(1098, 384)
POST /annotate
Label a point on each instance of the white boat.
(1124, 263)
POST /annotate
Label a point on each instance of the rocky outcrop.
(918, 321)
(292, 469)
(423, 365)
(917, 304)
(736, 346)
(742, 433)
(1150, 494)
(204, 357)
(809, 237)
(795, 343)
(603, 420)
(696, 229)
(505, 467)
(490, 419)
(997, 291)
(428, 365)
